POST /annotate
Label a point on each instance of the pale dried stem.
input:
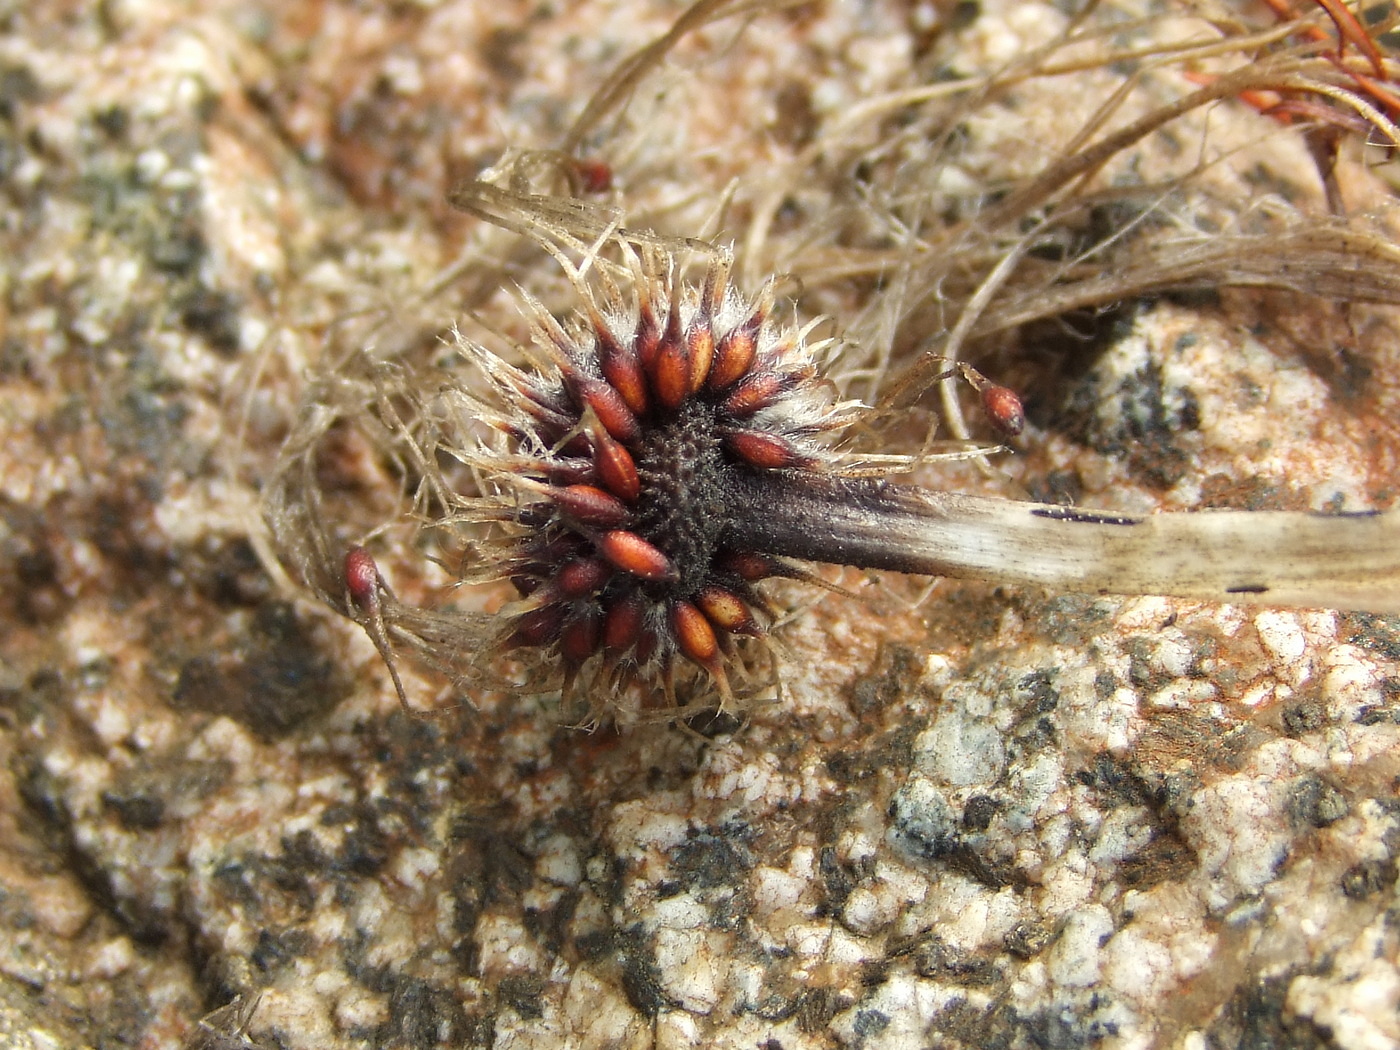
(1281, 558)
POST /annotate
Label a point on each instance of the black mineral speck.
(1378, 634)
(1258, 1018)
(1140, 419)
(641, 977)
(137, 811)
(921, 821)
(838, 880)
(214, 315)
(1374, 716)
(943, 962)
(1069, 619)
(1038, 689)
(275, 950)
(1368, 878)
(1026, 940)
(423, 1015)
(1057, 1029)
(1303, 717)
(1314, 802)
(522, 993)
(870, 1022)
(706, 860)
(817, 1007)
(993, 1028)
(978, 813)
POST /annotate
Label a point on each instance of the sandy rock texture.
(980, 817)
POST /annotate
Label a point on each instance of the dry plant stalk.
(639, 469)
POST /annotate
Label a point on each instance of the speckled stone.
(979, 818)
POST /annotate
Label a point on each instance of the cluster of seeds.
(620, 457)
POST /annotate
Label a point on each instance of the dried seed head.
(615, 471)
(668, 451)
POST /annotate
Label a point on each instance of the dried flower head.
(617, 463)
(637, 470)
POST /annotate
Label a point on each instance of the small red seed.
(622, 623)
(694, 634)
(611, 408)
(726, 609)
(539, 626)
(670, 375)
(577, 445)
(756, 391)
(630, 553)
(648, 339)
(700, 342)
(1003, 407)
(594, 176)
(582, 577)
(549, 550)
(763, 450)
(363, 582)
(734, 356)
(590, 505)
(568, 471)
(621, 367)
(362, 579)
(615, 467)
(750, 567)
(579, 638)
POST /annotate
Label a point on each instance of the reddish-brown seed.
(630, 553)
(734, 356)
(754, 392)
(611, 408)
(363, 582)
(1003, 407)
(622, 367)
(594, 176)
(615, 467)
(362, 579)
(576, 445)
(582, 577)
(750, 567)
(700, 342)
(694, 634)
(548, 552)
(555, 420)
(670, 375)
(590, 505)
(566, 472)
(539, 626)
(761, 449)
(579, 638)
(648, 336)
(622, 623)
(726, 609)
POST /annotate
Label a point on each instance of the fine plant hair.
(932, 275)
